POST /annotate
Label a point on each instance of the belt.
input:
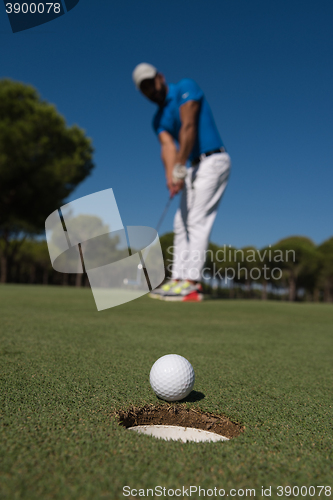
(204, 155)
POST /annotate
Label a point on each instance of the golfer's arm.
(188, 131)
(168, 153)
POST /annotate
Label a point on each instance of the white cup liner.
(178, 433)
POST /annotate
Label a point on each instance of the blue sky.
(266, 70)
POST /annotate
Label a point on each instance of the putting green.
(66, 369)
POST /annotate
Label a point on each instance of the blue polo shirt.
(167, 117)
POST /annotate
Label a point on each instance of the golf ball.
(172, 377)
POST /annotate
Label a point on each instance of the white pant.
(204, 186)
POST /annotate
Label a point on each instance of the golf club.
(141, 266)
(164, 213)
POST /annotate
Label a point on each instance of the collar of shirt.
(170, 95)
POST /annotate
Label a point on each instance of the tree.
(223, 265)
(297, 254)
(32, 262)
(41, 162)
(325, 275)
(167, 250)
(246, 260)
(102, 249)
(264, 265)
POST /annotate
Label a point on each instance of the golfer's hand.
(174, 187)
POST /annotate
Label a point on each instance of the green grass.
(65, 369)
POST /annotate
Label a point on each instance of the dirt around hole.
(179, 415)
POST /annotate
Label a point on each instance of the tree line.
(292, 269)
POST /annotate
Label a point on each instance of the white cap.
(142, 72)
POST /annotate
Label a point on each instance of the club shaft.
(163, 214)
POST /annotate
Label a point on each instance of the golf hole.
(177, 422)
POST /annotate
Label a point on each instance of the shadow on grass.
(193, 396)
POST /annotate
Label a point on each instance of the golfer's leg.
(180, 245)
(180, 242)
(209, 186)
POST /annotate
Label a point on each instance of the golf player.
(187, 133)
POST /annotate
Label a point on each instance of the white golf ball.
(172, 377)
